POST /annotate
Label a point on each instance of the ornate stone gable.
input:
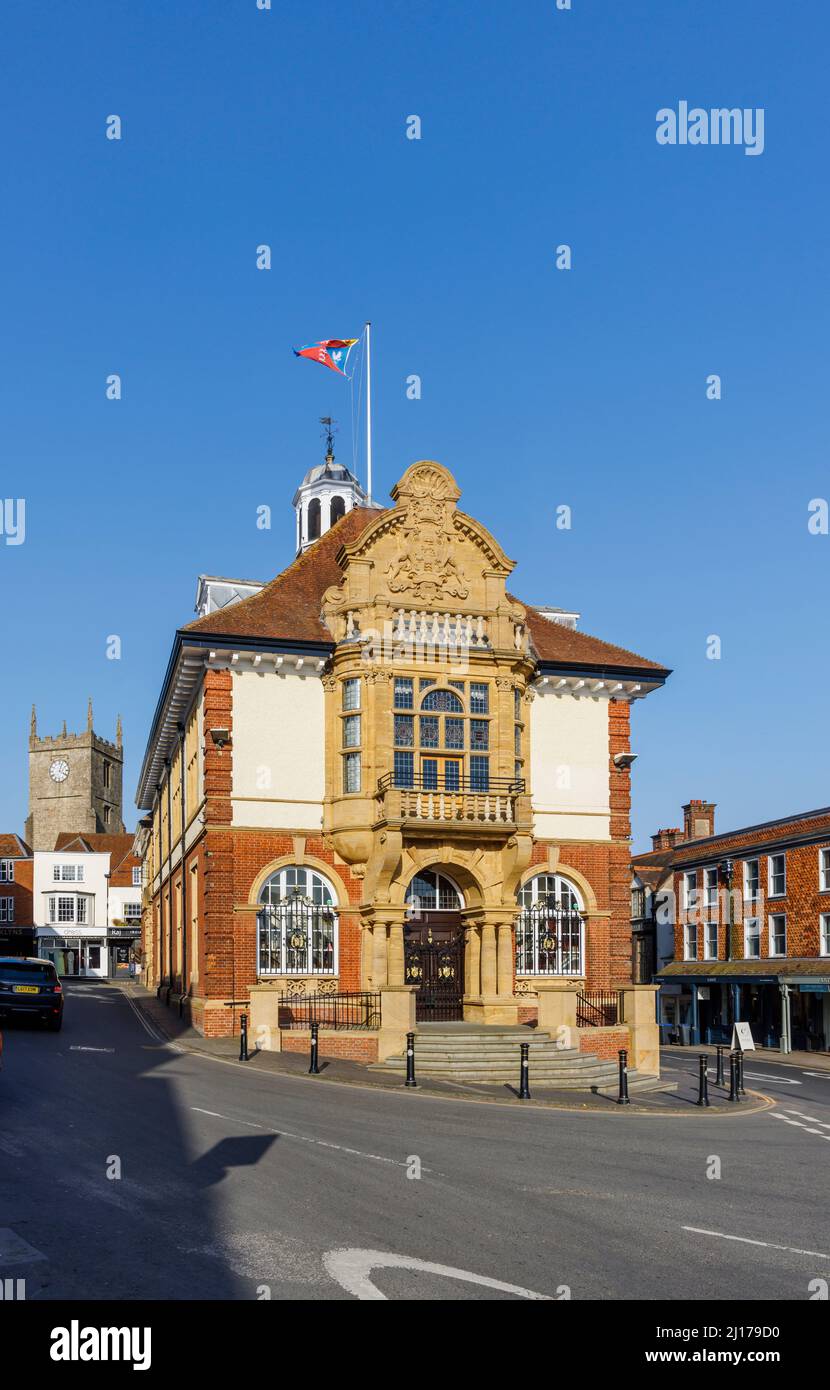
(426, 570)
(422, 555)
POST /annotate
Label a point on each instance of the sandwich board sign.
(742, 1040)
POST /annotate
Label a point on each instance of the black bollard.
(524, 1088)
(622, 1098)
(410, 1060)
(314, 1070)
(703, 1094)
(741, 1087)
(243, 1037)
(719, 1072)
(733, 1077)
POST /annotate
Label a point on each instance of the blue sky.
(539, 387)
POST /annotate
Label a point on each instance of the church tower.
(75, 784)
(326, 493)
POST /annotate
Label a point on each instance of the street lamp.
(727, 869)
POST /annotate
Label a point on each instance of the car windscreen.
(26, 972)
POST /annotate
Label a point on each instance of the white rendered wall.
(569, 773)
(278, 750)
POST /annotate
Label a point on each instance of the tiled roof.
(565, 645)
(806, 825)
(290, 608)
(12, 847)
(119, 847)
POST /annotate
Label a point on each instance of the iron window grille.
(297, 937)
(550, 938)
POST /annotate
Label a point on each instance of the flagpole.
(369, 410)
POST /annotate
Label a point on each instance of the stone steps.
(466, 1052)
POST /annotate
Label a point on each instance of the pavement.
(132, 1166)
(680, 1099)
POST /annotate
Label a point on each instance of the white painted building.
(87, 905)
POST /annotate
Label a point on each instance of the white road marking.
(14, 1250)
(76, 1048)
(307, 1139)
(807, 1128)
(825, 1075)
(767, 1244)
(350, 1268)
(145, 1022)
(814, 1120)
(781, 1080)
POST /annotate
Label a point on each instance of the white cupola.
(326, 493)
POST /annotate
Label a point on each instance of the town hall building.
(382, 775)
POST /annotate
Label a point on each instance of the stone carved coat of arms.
(426, 568)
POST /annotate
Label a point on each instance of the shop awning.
(791, 971)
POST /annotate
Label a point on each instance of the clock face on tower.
(59, 770)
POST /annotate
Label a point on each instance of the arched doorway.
(434, 947)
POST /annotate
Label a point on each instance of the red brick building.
(746, 914)
(17, 931)
(383, 770)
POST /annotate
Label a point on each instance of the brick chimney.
(698, 820)
(666, 839)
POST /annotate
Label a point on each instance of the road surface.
(236, 1184)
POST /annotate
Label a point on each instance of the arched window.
(433, 892)
(297, 924)
(550, 927)
(314, 519)
(337, 509)
(445, 700)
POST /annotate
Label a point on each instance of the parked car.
(30, 987)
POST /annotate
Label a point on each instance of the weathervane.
(330, 432)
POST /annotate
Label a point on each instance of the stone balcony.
(498, 807)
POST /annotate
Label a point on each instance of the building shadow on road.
(119, 1190)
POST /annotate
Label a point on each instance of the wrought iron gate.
(434, 961)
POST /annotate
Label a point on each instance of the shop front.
(121, 947)
(789, 998)
(77, 953)
(17, 941)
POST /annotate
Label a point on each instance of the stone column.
(489, 966)
(557, 1009)
(367, 951)
(397, 1008)
(472, 962)
(505, 960)
(639, 1015)
(379, 956)
(396, 956)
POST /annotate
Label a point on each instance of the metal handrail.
(598, 1008)
(511, 786)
